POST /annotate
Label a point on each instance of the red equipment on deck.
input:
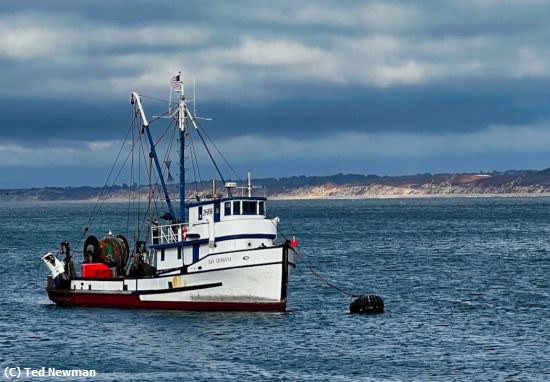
(96, 270)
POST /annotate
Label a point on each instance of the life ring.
(184, 233)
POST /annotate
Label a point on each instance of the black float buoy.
(362, 304)
(368, 303)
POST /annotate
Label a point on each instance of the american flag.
(175, 82)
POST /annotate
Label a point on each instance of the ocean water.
(466, 283)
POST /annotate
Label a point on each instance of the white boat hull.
(253, 279)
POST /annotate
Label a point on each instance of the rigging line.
(131, 183)
(109, 176)
(131, 196)
(144, 154)
(135, 185)
(219, 152)
(166, 157)
(139, 228)
(169, 148)
(210, 155)
(167, 152)
(150, 188)
(156, 197)
(109, 189)
(108, 193)
(189, 143)
(143, 224)
(153, 209)
(193, 159)
(198, 167)
(156, 118)
(165, 131)
(145, 160)
(155, 200)
(139, 186)
(194, 153)
(149, 171)
(155, 98)
(156, 192)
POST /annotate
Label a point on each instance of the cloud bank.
(372, 82)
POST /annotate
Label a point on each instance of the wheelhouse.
(230, 208)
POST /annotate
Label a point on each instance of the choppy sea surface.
(466, 283)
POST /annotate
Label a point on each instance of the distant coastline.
(303, 198)
(340, 186)
(431, 196)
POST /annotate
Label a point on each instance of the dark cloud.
(398, 72)
(40, 120)
(320, 111)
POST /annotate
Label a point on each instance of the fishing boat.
(218, 251)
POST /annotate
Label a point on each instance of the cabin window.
(236, 208)
(227, 208)
(162, 255)
(200, 212)
(249, 208)
(261, 208)
(179, 253)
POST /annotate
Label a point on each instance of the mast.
(181, 125)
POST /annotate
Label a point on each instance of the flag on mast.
(175, 82)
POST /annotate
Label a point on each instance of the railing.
(166, 234)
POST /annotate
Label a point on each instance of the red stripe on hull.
(130, 301)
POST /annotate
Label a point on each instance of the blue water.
(465, 282)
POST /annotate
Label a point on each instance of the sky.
(293, 87)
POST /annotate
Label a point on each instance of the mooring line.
(314, 272)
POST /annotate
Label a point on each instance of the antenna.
(195, 105)
(249, 187)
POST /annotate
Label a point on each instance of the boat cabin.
(215, 225)
(229, 208)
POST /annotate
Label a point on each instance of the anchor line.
(320, 277)
(324, 280)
